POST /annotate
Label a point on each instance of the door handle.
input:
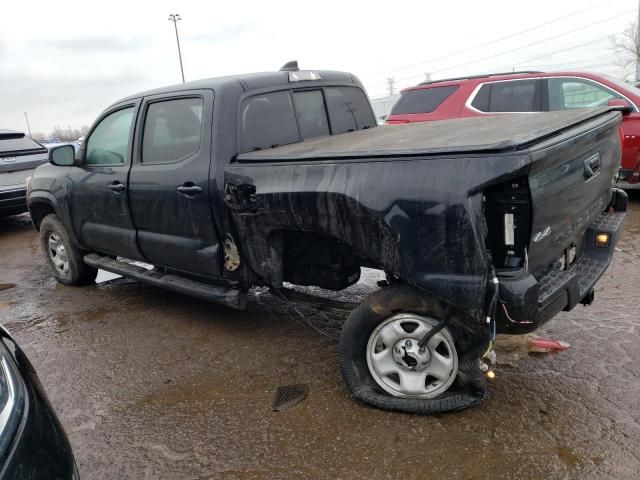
(189, 189)
(116, 187)
(592, 166)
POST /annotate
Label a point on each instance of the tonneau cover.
(501, 132)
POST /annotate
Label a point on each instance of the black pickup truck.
(268, 178)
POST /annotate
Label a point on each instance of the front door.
(98, 197)
(169, 183)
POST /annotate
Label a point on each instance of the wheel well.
(314, 259)
(39, 211)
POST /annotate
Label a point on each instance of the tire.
(64, 259)
(467, 388)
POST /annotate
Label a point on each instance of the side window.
(172, 130)
(349, 109)
(566, 93)
(109, 141)
(424, 100)
(267, 121)
(311, 114)
(509, 96)
(481, 100)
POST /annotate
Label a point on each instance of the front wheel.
(383, 364)
(64, 259)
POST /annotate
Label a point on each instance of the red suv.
(526, 92)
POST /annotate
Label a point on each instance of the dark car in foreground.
(481, 224)
(525, 92)
(33, 444)
(19, 156)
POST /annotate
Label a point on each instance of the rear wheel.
(64, 259)
(403, 369)
(383, 364)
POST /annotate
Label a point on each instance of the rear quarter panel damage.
(418, 218)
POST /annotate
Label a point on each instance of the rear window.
(349, 109)
(312, 117)
(268, 121)
(280, 118)
(511, 96)
(425, 100)
(18, 144)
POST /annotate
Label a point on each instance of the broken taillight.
(508, 215)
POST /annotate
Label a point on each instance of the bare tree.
(626, 47)
(68, 134)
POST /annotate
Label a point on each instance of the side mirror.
(620, 105)
(62, 155)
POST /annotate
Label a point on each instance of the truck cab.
(147, 182)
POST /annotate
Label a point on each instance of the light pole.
(174, 17)
(26, 117)
(390, 85)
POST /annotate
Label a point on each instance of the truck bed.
(427, 201)
(496, 133)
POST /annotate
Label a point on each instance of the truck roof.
(252, 81)
(496, 133)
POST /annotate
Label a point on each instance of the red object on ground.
(543, 345)
(525, 92)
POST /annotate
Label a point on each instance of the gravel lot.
(155, 385)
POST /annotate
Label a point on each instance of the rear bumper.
(531, 299)
(629, 179)
(13, 200)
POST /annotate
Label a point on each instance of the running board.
(230, 297)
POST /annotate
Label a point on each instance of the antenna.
(291, 66)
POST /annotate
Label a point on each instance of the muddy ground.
(150, 384)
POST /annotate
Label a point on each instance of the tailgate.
(571, 181)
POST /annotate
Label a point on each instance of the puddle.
(6, 286)
(567, 455)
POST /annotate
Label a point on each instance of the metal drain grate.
(289, 395)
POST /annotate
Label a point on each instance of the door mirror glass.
(62, 155)
(620, 105)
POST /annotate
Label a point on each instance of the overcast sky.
(64, 62)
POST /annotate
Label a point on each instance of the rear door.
(97, 189)
(513, 96)
(169, 183)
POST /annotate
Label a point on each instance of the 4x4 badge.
(538, 237)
